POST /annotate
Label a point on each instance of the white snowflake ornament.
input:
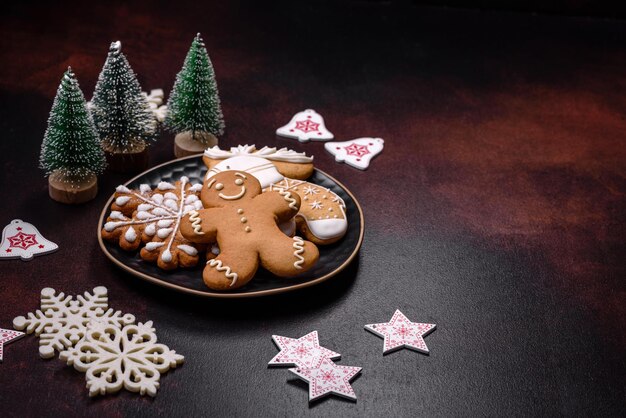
(301, 352)
(114, 358)
(306, 126)
(62, 320)
(357, 153)
(327, 378)
(22, 240)
(400, 332)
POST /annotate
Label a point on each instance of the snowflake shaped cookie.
(152, 217)
(62, 320)
(301, 352)
(114, 358)
(400, 332)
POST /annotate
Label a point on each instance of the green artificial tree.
(123, 119)
(71, 152)
(193, 109)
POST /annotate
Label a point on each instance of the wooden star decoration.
(7, 336)
(400, 332)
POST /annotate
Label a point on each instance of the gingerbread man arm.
(284, 204)
(197, 226)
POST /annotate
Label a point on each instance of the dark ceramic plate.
(333, 258)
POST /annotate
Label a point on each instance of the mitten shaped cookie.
(243, 221)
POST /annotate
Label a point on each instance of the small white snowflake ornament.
(300, 352)
(62, 320)
(357, 153)
(328, 378)
(7, 336)
(306, 126)
(22, 240)
(114, 358)
(400, 332)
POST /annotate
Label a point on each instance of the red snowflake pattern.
(307, 126)
(357, 150)
(328, 378)
(22, 240)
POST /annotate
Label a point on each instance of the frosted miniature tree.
(70, 146)
(194, 104)
(120, 111)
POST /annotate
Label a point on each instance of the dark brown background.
(495, 211)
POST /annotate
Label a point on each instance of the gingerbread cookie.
(243, 221)
(289, 163)
(151, 218)
(322, 215)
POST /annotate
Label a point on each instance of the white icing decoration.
(262, 169)
(171, 203)
(197, 205)
(144, 207)
(298, 244)
(316, 205)
(163, 233)
(221, 268)
(165, 223)
(122, 189)
(110, 226)
(271, 154)
(170, 195)
(122, 200)
(144, 188)
(235, 196)
(151, 246)
(117, 215)
(157, 198)
(161, 211)
(191, 198)
(166, 255)
(287, 196)
(150, 230)
(131, 234)
(196, 188)
(215, 249)
(196, 223)
(165, 186)
(143, 215)
(188, 249)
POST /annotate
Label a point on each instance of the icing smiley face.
(229, 187)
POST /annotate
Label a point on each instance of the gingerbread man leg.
(287, 257)
(230, 270)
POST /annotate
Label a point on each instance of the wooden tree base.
(127, 162)
(72, 193)
(185, 144)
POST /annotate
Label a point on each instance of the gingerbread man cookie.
(243, 221)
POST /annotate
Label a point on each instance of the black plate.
(333, 258)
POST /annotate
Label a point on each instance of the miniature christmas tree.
(121, 113)
(194, 111)
(71, 152)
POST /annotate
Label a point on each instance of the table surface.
(496, 209)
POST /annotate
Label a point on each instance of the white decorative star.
(328, 378)
(310, 190)
(316, 205)
(6, 336)
(301, 352)
(402, 333)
